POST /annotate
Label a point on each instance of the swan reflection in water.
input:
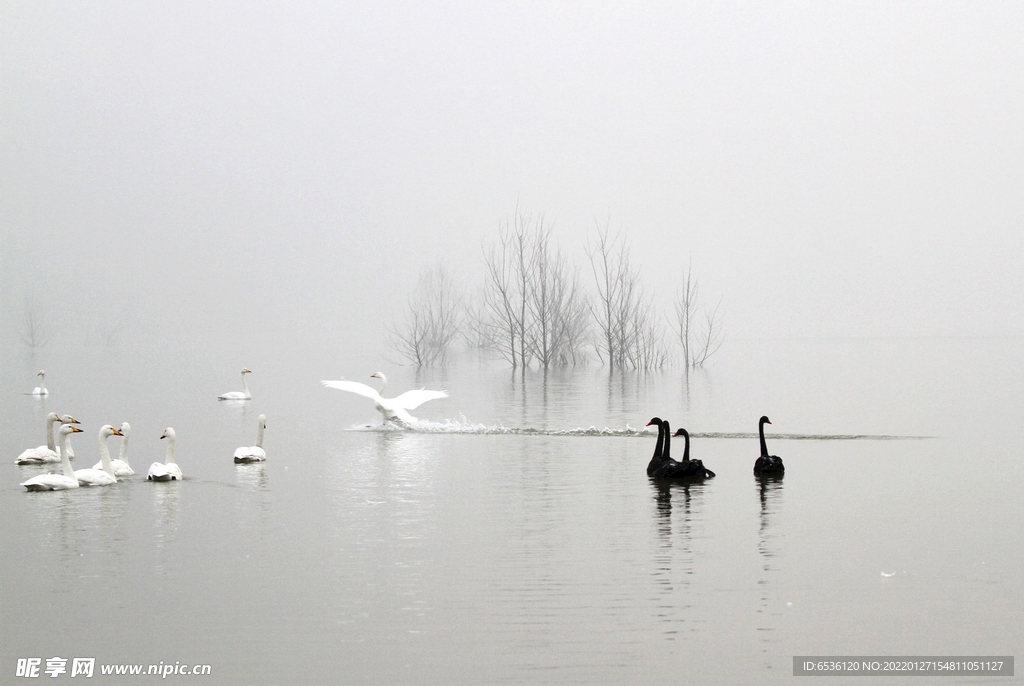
(684, 495)
(679, 512)
(769, 538)
(166, 504)
(252, 475)
(254, 503)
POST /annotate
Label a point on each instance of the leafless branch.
(533, 306)
(697, 346)
(35, 333)
(433, 320)
(629, 333)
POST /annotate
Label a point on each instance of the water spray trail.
(464, 426)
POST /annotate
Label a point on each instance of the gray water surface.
(516, 538)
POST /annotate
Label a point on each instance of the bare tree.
(35, 333)
(500, 320)
(411, 339)
(606, 265)
(572, 317)
(646, 349)
(629, 333)
(697, 345)
(533, 307)
(686, 307)
(557, 305)
(475, 334)
(433, 320)
(711, 338)
(110, 329)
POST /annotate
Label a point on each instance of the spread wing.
(357, 388)
(410, 400)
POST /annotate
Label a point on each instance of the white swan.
(168, 470)
(121, 467)
(57, 482)
(104, 476)
(68, 419)
(254, 453)
(41, 388)
(47, 453)
(391, 408)
(239, 395)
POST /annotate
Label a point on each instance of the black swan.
(656, 460)
(767, 465)
(686, 468)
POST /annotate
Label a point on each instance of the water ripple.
(463, 426)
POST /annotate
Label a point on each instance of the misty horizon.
(207, 170)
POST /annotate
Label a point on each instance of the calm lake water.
(506, 543)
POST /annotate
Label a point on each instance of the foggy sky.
(288, 169)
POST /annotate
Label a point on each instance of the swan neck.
(667, 455)
(245, 385)
(764, 446)
(259, 435)
(660, 446)
(123, 455)
(170, 451)
(686, 447)
(49, 434)
(108, 466)
(65, 460)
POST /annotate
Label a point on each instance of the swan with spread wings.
(393, 409)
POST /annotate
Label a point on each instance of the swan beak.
(117, 433)
(768, 422)
(75, 430)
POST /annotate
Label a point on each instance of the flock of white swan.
(108, 471)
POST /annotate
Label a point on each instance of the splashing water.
(461, 425)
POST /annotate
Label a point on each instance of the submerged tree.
(34, 333)
(433, 320)
(500, 321)
(698, 343)
(110, 329)
(556, 305)
(629, 333)
(532, 307)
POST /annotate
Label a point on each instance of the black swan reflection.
(767, 465)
